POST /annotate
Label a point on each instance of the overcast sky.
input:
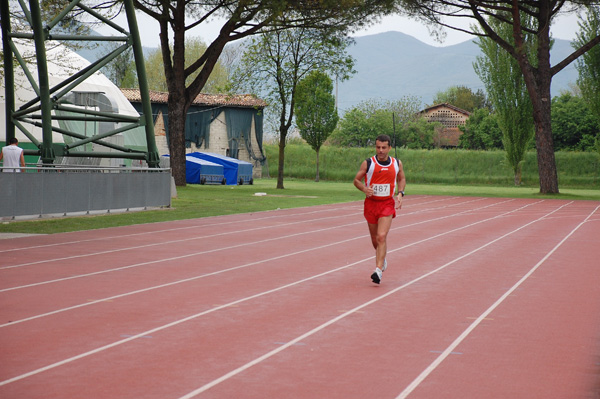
(564, 28)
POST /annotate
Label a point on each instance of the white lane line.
(173, 258)
(348, 313)
(197, 226)
(171, 242)
(177, 282)
(344, 206)
(175, 323)
(181, 240)
(417, 381)
(163, 327)
(12, 323)
(181, 256)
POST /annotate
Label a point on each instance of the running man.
(383, 175)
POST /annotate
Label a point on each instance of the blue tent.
(236, 171)
(200, 171)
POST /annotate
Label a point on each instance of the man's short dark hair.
(13, 141)
(384, 137)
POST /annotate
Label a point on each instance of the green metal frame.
(38, 112)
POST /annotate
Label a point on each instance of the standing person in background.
(12, 155)
(382, 175)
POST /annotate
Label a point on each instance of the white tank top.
(11, 158)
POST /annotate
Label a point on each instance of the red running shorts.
(374, 209)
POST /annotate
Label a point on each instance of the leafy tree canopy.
(462, 97)
(538, 76)
(399, 119)
(507, 91)
(275, 63)
(194, 48)
(316, 113)
(481, 131)
(574, 125)
(241, 19)
(588, 65)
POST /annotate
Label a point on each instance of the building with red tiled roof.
(230, 125)
(451, 118)
(203, 99)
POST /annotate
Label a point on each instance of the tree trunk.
(542, 109)
(282, 135)
(545, 146)
(538, 80)
(175, 77)
(317, 178)
(177, 115)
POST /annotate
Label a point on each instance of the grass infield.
(196, 201)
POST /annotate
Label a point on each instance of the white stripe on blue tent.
(235, 170)
(200, 171)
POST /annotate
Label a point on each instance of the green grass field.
(196, 201)
(449, 167)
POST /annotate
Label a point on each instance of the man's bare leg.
(379, 234)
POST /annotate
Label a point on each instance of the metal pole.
(394, 124)
(153, 158)
(9, 76)
(39, 36)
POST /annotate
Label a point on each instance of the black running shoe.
(376, 276)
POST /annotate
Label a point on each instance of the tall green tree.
(357, 128)
(538, 76)
(123, 74)
(241, 19)
(361, 124)
(420, 134)
(506, 88)
(588, 66)
(407, 124)
(194, 48)
(481, 131)
(122, 70)
(276, 62)
(574, 125)
(462, 97)
(316, 114)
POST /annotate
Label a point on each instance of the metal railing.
(62, 190)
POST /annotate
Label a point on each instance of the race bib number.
(381, 190)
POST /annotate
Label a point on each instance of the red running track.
(483, 298)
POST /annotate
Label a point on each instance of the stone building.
(230, 125)
(451, 118)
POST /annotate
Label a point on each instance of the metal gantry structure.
(39, 111)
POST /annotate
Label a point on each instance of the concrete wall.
(160, 135)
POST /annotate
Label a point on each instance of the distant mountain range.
(391, 65)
